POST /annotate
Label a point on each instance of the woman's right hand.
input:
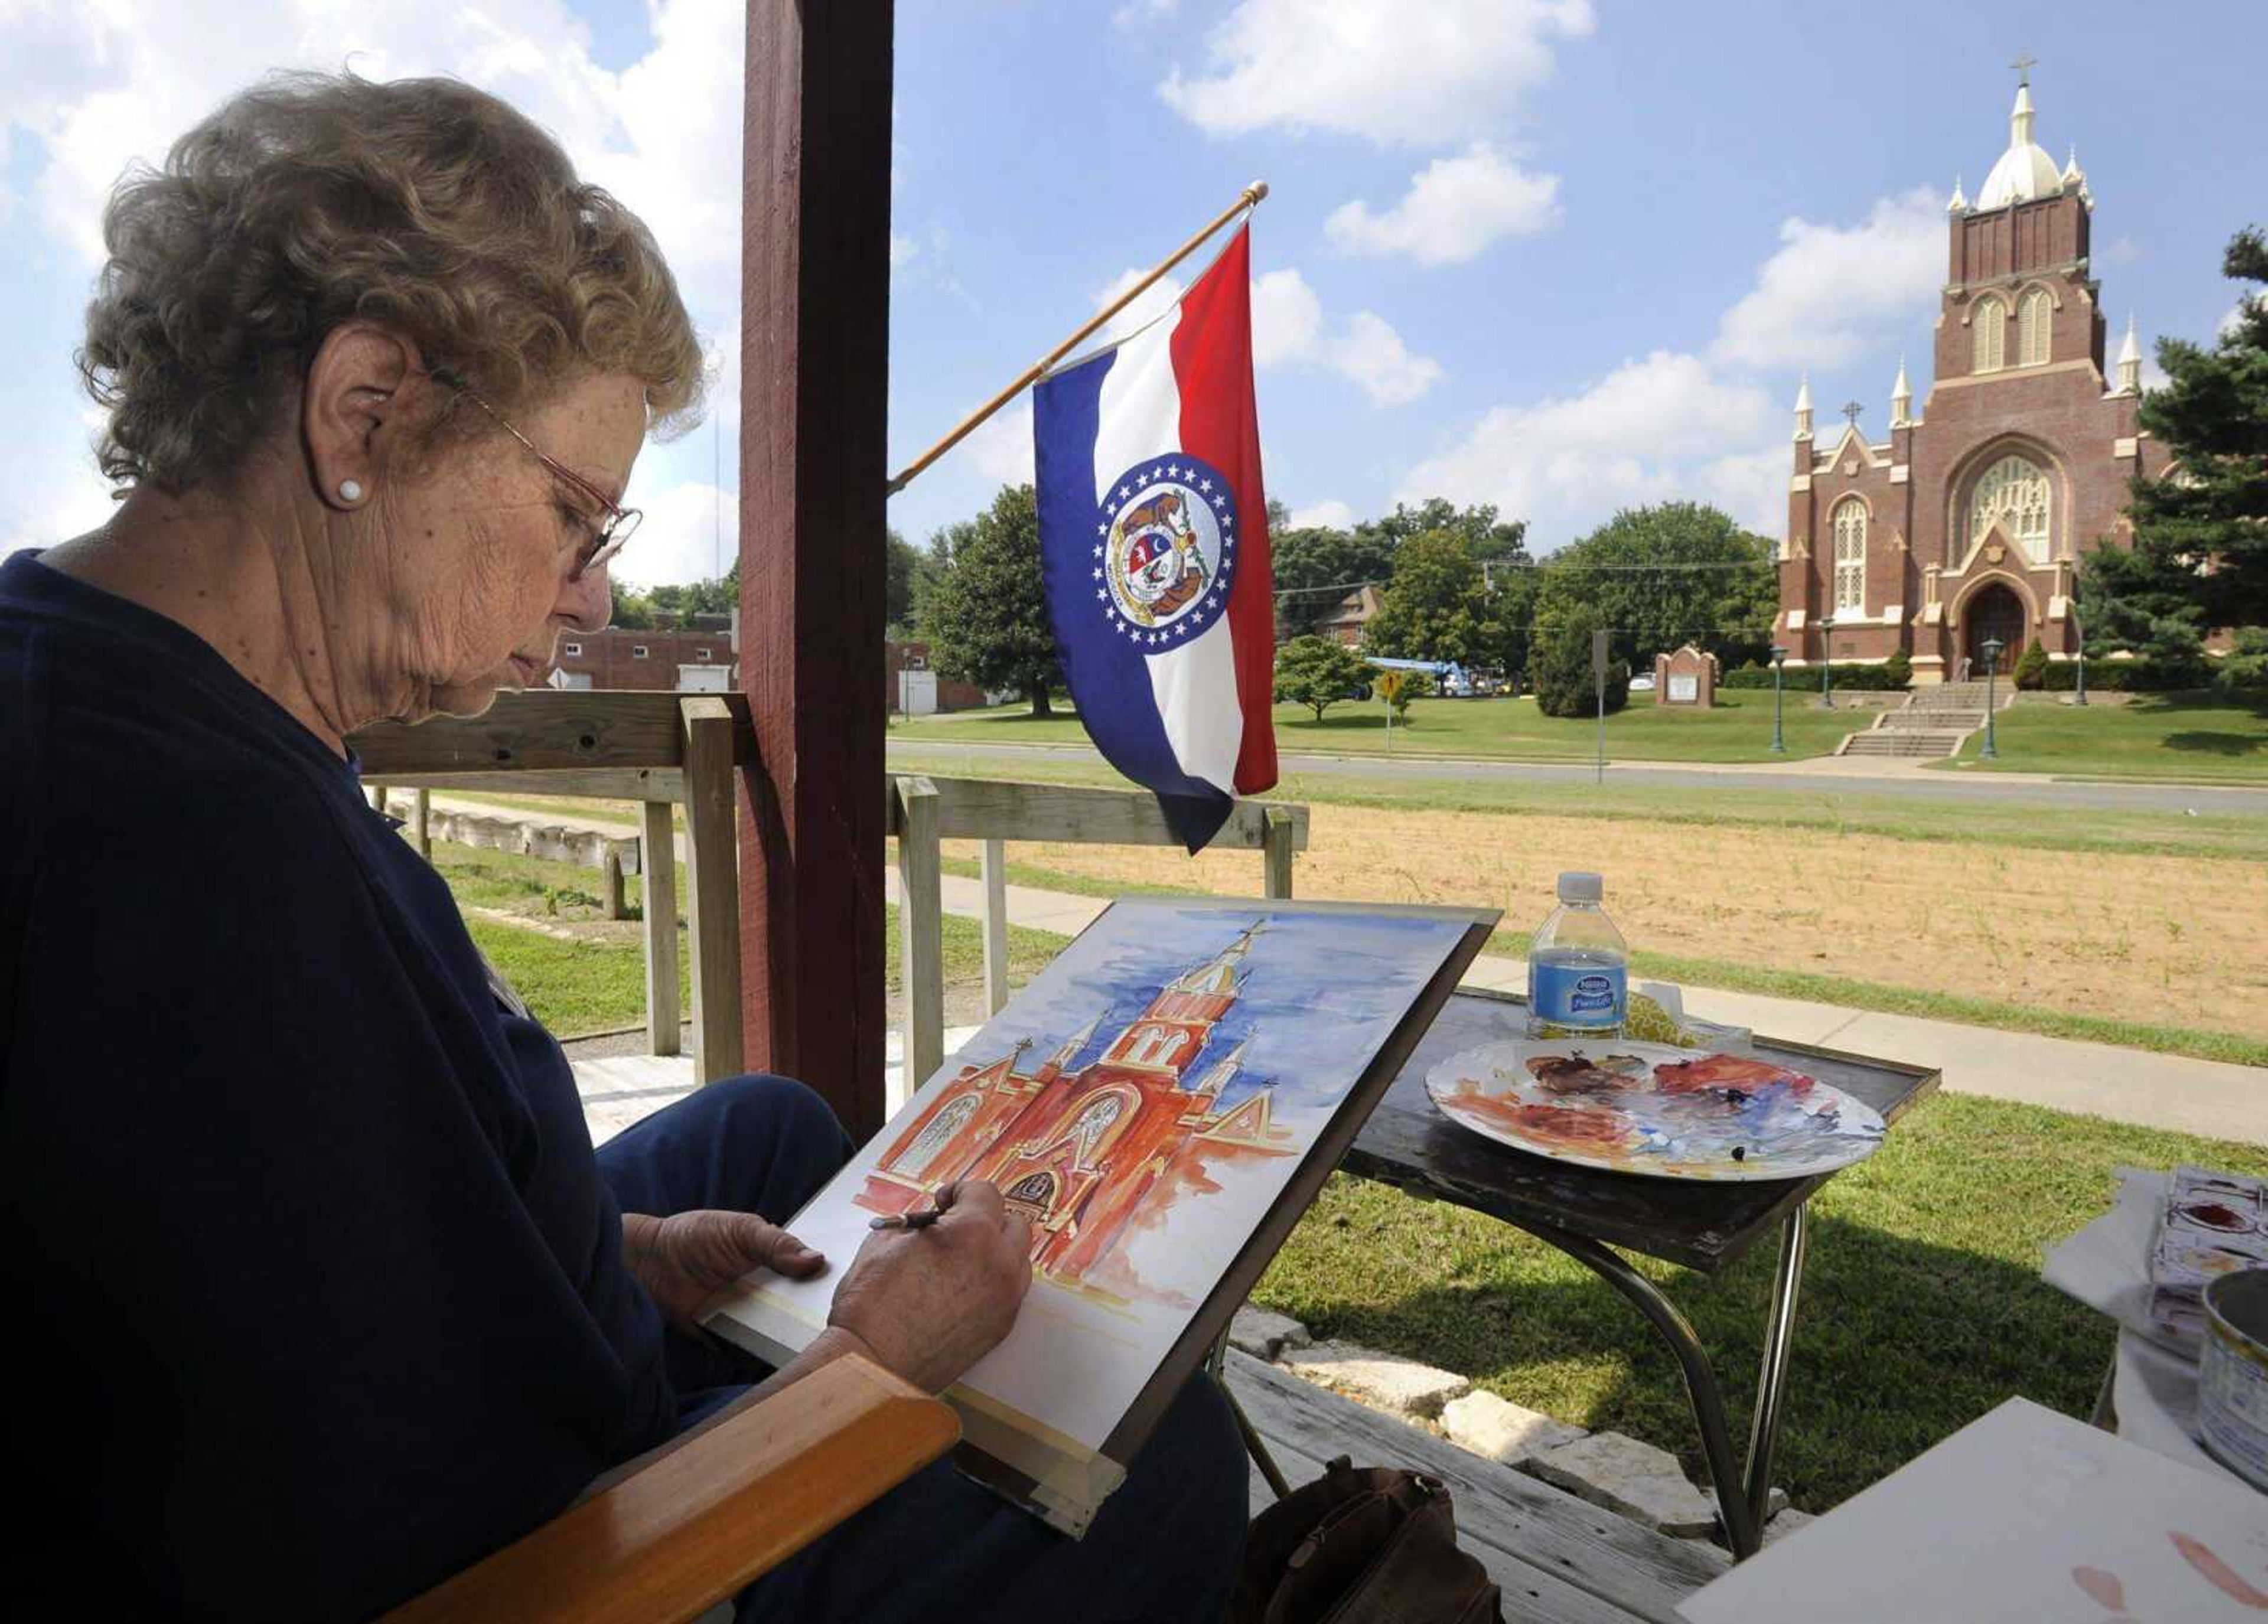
(932, 1302)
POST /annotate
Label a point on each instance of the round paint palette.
(1648, 1108)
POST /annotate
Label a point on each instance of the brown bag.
(1370, 1545)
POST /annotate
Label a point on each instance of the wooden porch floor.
(1559, 1560)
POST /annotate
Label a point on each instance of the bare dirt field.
(2175, 941)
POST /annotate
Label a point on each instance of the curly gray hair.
(313, 199)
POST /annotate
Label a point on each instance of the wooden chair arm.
(691, 1527)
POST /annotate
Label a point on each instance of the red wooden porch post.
(815, 360)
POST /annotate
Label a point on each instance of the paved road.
(1825, 776)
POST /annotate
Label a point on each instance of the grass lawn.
(1738, 730)
(581, 973)
(1823, 808)
(1922, 1307)
(2191, 738)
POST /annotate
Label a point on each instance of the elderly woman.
(318, 1290)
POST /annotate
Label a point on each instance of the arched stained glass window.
(934, 1136)
(1851, 557)
(2014, 494)
(2035, 314)
(1991, 320)
(1093, 1122)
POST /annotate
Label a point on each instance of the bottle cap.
(1582, 887)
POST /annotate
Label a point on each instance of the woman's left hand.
(682, 1261)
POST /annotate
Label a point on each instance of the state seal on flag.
(1166, 548)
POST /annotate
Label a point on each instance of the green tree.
(1666, 576)
(2200, 554)
(1899, 668)
(1560, 665)
(985, 616)
(633, 610)
(909, 573)
(1437, 607)
(2031, 672)
(1399, 687)
(1316, 567)
(1318, 672)
(1484, 535)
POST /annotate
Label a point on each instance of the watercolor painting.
(1143, 1103)
(1646, 1108)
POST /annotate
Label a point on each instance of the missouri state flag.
(1153, 543)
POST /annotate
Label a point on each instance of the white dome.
(2025, 172)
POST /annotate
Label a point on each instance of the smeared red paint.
(1563, 1128)
(2218, 1572)
(2103, 1587)
(2213, 1215)
(1718, 1072)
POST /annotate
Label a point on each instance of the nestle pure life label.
(1578, 991)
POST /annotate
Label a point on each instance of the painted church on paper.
(1968, 523)
(1093, 1154)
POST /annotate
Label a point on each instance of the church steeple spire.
(1062, 1058)
(1901, 398)
(2129, 362)
(1803, 409)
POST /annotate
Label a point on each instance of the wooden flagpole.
(1247, 199)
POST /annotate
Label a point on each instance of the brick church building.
(1090, 1153)
(1968, 522)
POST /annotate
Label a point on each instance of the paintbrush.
(938, 1202)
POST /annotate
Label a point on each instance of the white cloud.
(1289, 327)
(1287, 319)
(691, 533)
(1330, 514)
(1372, 353)
(1828, 293)
(1001, 447)
(1136, 13)
(1443, 70)
(117, 82)
(903, 248)
(1155, 301)
(2230, 322)
(1653, 429)
(1455, 208)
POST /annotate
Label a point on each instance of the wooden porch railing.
(662, 750)
(923, 811)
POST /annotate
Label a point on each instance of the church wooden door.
(1995, 612)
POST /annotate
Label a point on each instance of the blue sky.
(1559, 255)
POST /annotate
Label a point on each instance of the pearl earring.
(349, 490)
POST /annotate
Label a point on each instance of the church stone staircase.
(1929, 726)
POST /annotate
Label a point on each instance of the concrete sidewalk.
(2212, 1098)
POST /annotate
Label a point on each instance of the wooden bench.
(1559, 1560)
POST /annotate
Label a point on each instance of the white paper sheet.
(2024, 1515)
(1314, 995)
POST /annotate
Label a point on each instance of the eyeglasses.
(606, 538)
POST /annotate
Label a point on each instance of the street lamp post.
(1780, 742)
(1993, 647)
(1826, 663)
(2078, 626)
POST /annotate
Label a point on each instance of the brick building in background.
(699, 658)
(1970, 521)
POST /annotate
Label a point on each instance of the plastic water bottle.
(1578, 968)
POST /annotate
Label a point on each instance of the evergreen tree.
(1560, 665)
(908, 571)
(1666, 576)
(2199, 560)
(985, 616)
(2032, 667)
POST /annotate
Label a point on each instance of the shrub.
(1559, 667)
(2143, 675)
(1899, 668)
(1857, 678)
(2244, 668)
(2032, 667)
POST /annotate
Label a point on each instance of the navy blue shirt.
(313, 1293)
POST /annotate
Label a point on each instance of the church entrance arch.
(1994, 612)
(1031, 1197)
